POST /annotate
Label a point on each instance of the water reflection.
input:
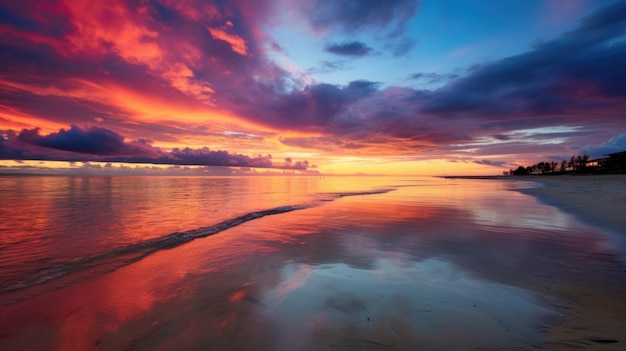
(402, 269)
(406, 306)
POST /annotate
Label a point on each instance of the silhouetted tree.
(576, 163)
(521, 170)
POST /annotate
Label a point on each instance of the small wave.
(88, 267)
(371, 192)
(122, 256)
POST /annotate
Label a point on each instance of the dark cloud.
(616, 144)
(103, 145)
(96, 141)
(18, 21)
(490, 163)
(6, 151)
(33, 19)
(353, 15)
(355, 48)
(575, 72)
(206, 157)
(330, 66)
(313, 107)
(501, 137)
(165, 15)
(431, 77)
(560, 82)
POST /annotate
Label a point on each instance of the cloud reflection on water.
(414, 262)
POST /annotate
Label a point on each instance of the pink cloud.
(236, 43)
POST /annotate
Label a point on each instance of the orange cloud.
(105, 26)
(182, 78)
(236, 43)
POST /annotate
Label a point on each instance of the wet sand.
(453, 265)
(597, 307)
(599, 200)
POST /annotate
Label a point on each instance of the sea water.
(282, 262)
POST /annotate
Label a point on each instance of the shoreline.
(598, 200)
(595, 312)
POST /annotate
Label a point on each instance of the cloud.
(158, 72)
(350, 15)
(330, 66)
(403, 46)
(99, 144)
(311, 108)
(561, 81)
(237, 43)
(94, 140)
(6, 151)
(355, 48)
(490, 163)
(431, 77)
(59, 69)
(613, 145)
(502, 137)
(578, 72)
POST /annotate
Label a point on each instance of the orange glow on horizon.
(324, 165)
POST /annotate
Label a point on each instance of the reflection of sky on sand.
(399, 304)
(497, 214)
(414, 261)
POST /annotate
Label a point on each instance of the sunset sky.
(336, 87)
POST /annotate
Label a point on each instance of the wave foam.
(82, 268)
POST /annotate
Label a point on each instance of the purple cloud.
(431, 77)
(103, 145)
(96, 141)
(558, 82)
(350, 15)
(314, 107)
(355, 48)
(490, 163)
(575, 72)
(616, 144)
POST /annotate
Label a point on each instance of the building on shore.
(613, 162)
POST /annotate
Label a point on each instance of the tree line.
(577, 163)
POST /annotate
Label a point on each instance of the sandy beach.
(599, 200)
(596, 307)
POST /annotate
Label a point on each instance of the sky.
(399, 87)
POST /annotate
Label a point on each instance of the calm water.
(284, 263)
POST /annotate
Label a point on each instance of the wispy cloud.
(351, 16)
(354, 48)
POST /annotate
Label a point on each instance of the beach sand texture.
(597, 308)
(599, 200)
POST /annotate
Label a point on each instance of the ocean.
(286, 263)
